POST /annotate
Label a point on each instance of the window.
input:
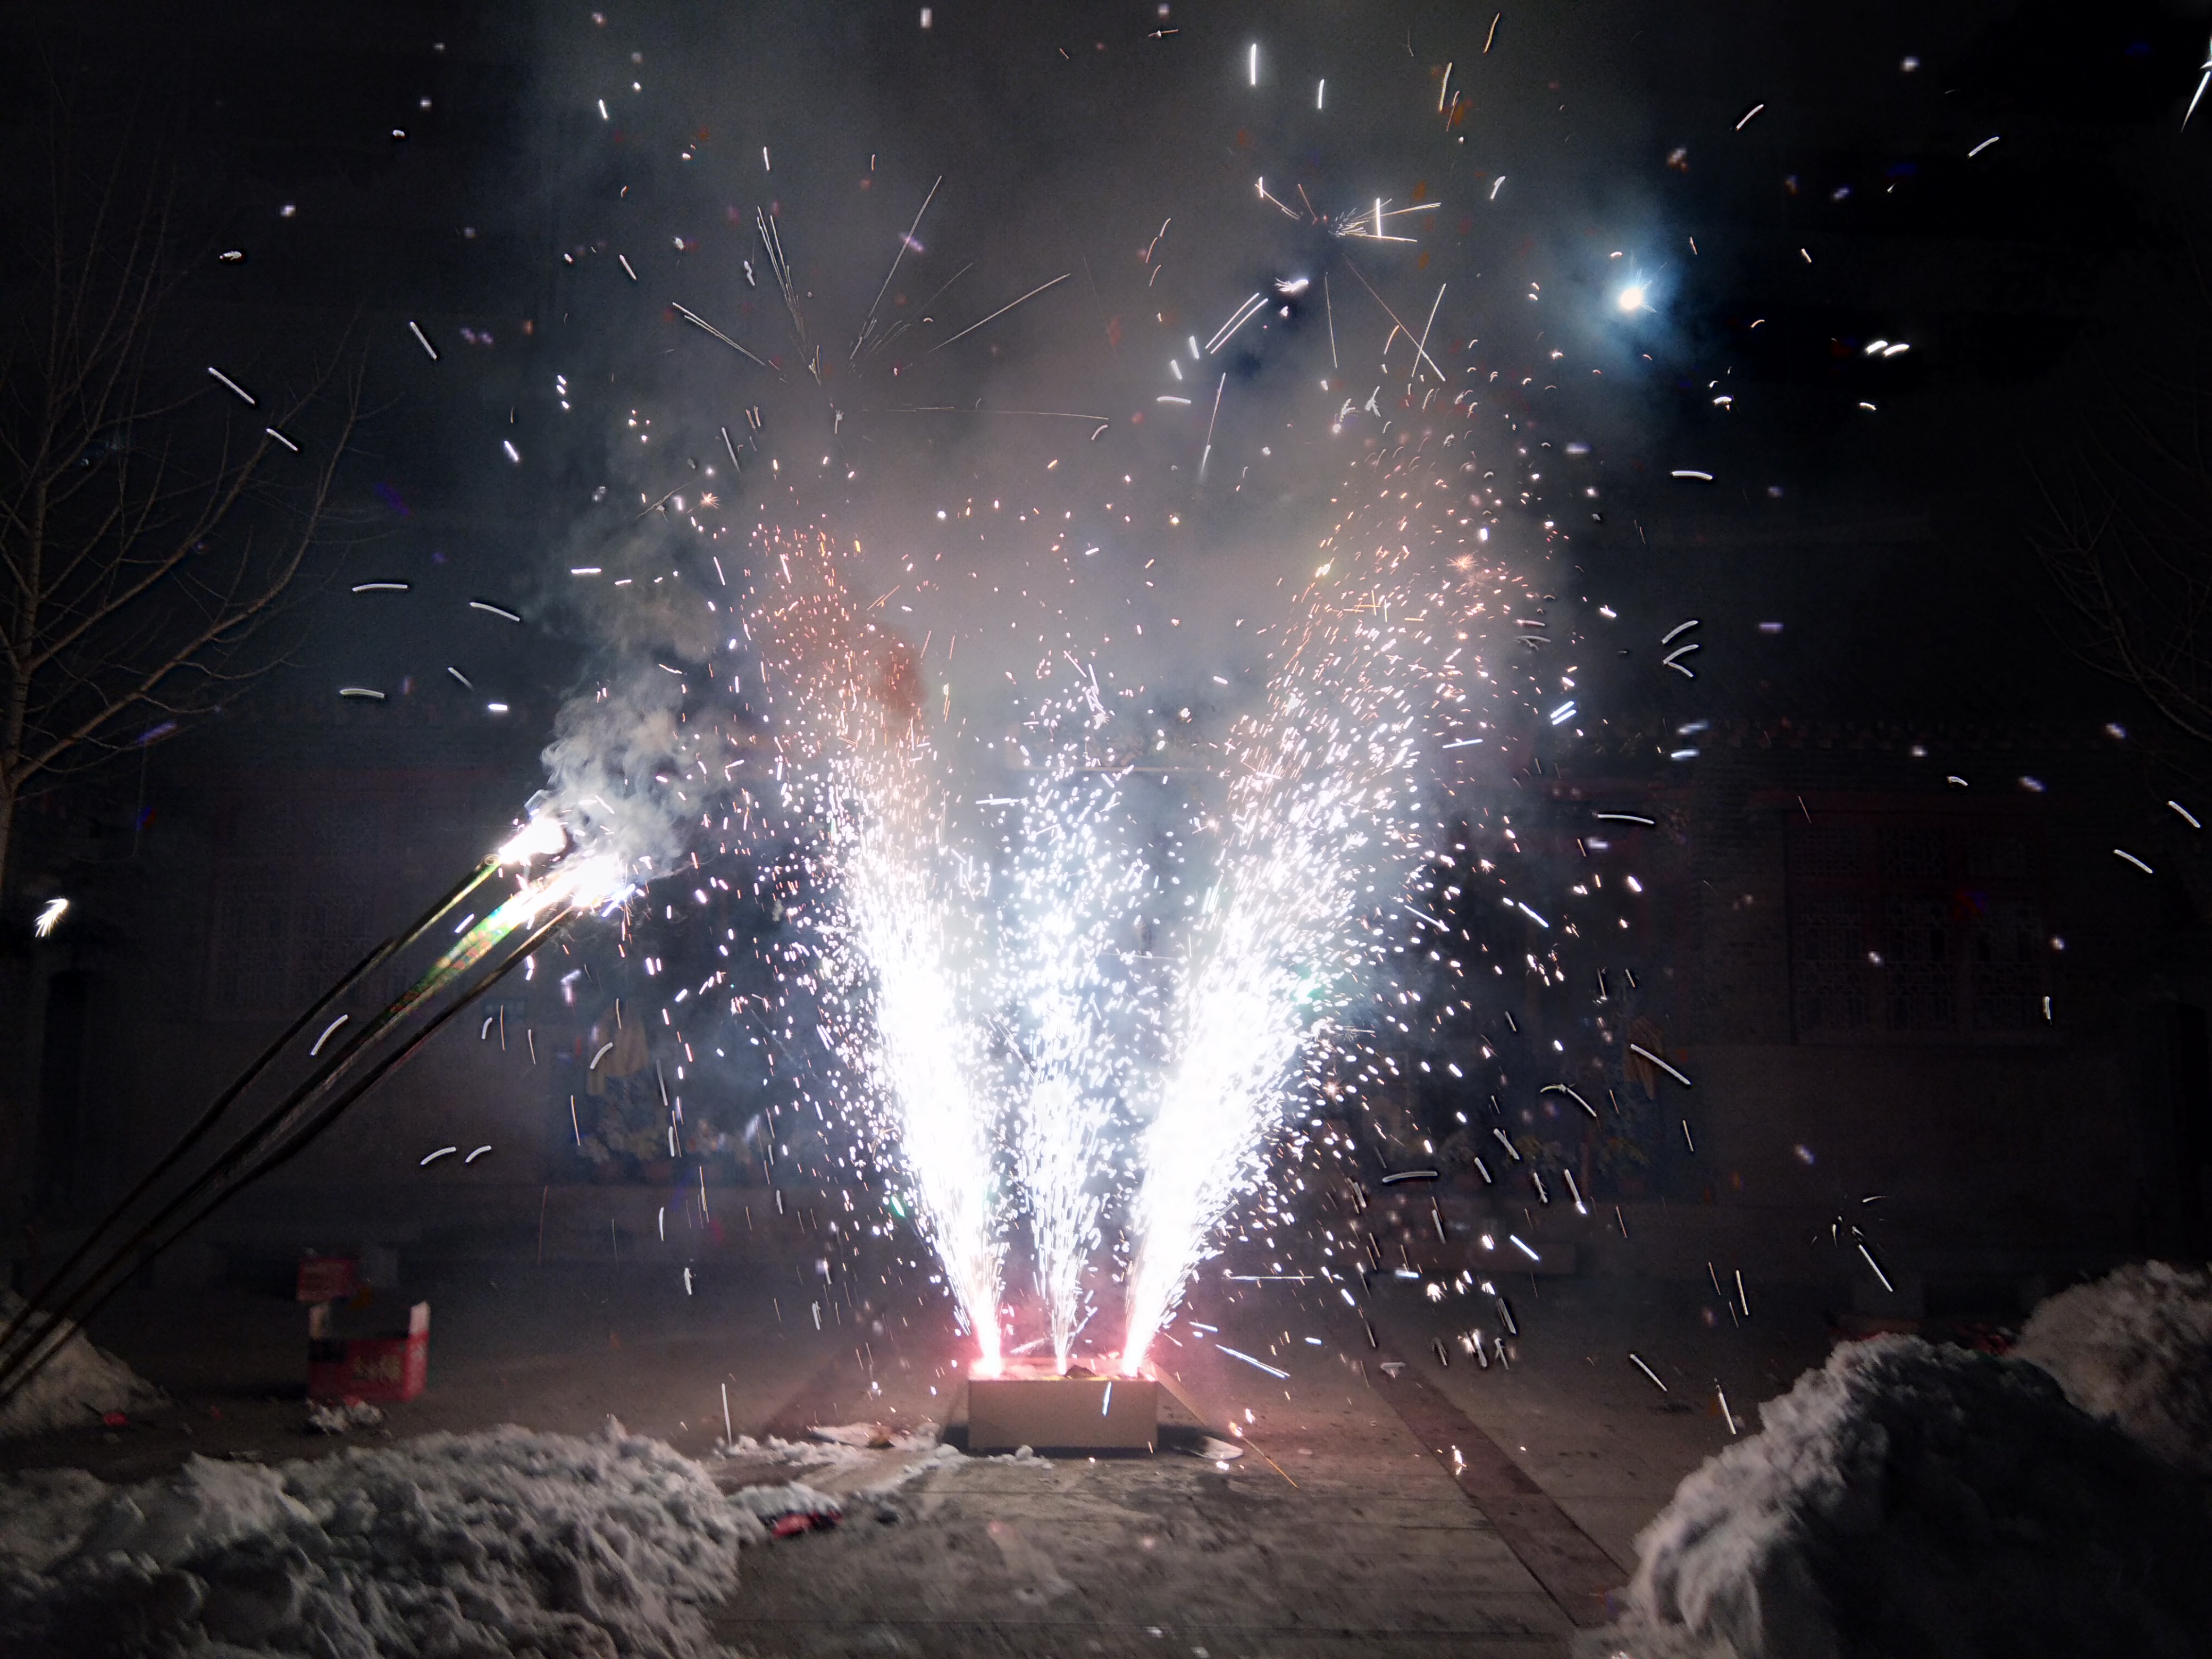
(1829, 941)
(1915, 929)
(251, 969)
(282, 939)
(294, 904)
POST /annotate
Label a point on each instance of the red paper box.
(392, 1366)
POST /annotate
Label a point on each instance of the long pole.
(22, 1357)
(224, 1101)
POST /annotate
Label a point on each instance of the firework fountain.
(904, 927)
(1317, 822)
(857, 765)
(1074, 893)
(931, 955)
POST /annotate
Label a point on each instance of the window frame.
(1967, 900)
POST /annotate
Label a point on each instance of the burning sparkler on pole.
(555, 882)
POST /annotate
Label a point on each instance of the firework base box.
(1051, 1413)
(367, 1353)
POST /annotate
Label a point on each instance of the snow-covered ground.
(503, 1542)
(2136, 1349)
(74, 1388)
(1911, 1498)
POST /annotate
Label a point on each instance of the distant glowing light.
(1633, 298)
(50, 916)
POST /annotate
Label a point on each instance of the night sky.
(2032, 281)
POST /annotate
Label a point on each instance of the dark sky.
(1589, 147)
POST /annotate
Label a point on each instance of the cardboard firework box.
(1063, 1413)
(351, 1357)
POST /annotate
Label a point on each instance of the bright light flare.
(544, 836)
(1632, 299)
(50, 917)
(579, 882)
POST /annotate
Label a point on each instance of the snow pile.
(773, 1502)
(836, 1446)
(341, 1416)
(72, 1390)
(499, 1543)
(43, 1512)
(1912, 1499)
(2136, 1348)
(852, 1462)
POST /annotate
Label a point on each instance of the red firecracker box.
(378, 1364)
(327, 1277)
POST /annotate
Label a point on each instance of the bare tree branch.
(149, 529)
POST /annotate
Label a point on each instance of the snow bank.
(73, 1388)
(493, 1544)
(1909, 1499)
(2136, 1349)
(341, 1416)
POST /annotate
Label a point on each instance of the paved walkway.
(1337, 1535)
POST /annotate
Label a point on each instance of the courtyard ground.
(1388, 1503)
